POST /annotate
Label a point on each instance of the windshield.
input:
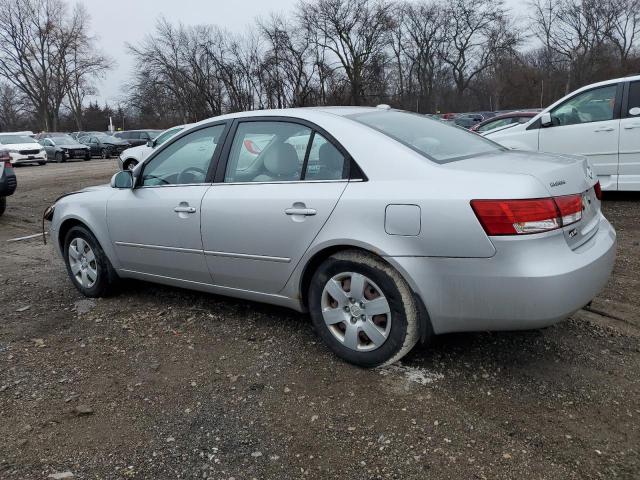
(166, 135)
(63, 139)
(106, 138)
(15, 139)
(439, 142)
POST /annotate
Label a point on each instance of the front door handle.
(307, 212)
(604, 129)
(632, 125)
(184, 209)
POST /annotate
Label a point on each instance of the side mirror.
(123, 180)
(545, 119)
(634, 111)
(150, 143)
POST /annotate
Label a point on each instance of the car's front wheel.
(59, 157)
(87, 265)
(363, 309)
(105, 153)
(87, 156)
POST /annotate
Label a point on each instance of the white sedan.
(599, 121)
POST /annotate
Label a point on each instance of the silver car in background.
(388, 227)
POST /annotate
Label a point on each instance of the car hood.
(95, 188)
(21, 146)
(135, 150)
(72, 146)
(560, 174)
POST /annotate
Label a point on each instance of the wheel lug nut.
(354, 319)
(362, 304)
(346, 309)
(363, 317)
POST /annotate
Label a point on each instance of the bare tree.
(354, 31)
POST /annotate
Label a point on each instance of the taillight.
(519, 217)
(598, 190)
(5, 158)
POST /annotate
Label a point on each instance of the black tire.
(404, 313)
(3, 205)
(42, 163)
(104, 153)
(107, 278)
(129, 164)
(59, 157)
(87, 156)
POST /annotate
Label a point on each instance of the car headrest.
(281, 160)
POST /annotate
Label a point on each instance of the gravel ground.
(159, 382)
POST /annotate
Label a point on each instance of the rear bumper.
(520, 287)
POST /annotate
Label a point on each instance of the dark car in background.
(503, 120)
(468, 120)
(8, 182)
(61, 147)
(137, 137)
(103, 145)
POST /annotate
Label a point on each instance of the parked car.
(600, 121)
(456, 233)
(103, 145)
(61, 148)
(503, 120)
(130, 157)
(137, 137)
(23, 149)
(8, 182)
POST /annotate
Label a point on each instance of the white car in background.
(131, 157)
(600, 121)
(23, 149)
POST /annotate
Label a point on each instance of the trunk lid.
(560, 175)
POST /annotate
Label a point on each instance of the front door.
(281, 183)
(155, 227)
(629, 171)
(587, 124)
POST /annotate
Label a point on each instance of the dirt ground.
(163, 383)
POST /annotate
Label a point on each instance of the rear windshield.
(436, 140)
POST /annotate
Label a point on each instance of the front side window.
(267, 152)
(591, 106)
(186, 161)
(435, 140)
(633, 109)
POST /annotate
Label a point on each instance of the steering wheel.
(184, 175)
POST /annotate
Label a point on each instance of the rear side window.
(325, 161)
(433, 139)
(634, 99)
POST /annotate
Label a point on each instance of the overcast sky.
(117, 22)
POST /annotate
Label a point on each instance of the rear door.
(588, 124)
(629, 170)
(281, 182)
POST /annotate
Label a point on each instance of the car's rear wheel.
(130, 164)
(3, 205)
(87, 265)
(59, 157)
(363, 309)
(87, 156)
(104, 153)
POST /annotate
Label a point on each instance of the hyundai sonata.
(388, 227)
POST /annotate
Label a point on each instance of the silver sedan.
(388, 227)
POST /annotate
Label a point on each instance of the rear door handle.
(604, 129)
(632, 125)
(184, 209)
(307, 212)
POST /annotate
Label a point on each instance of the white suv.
(600, 121)
(131, 157)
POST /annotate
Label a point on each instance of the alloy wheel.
(356, 311)
(82, 262)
